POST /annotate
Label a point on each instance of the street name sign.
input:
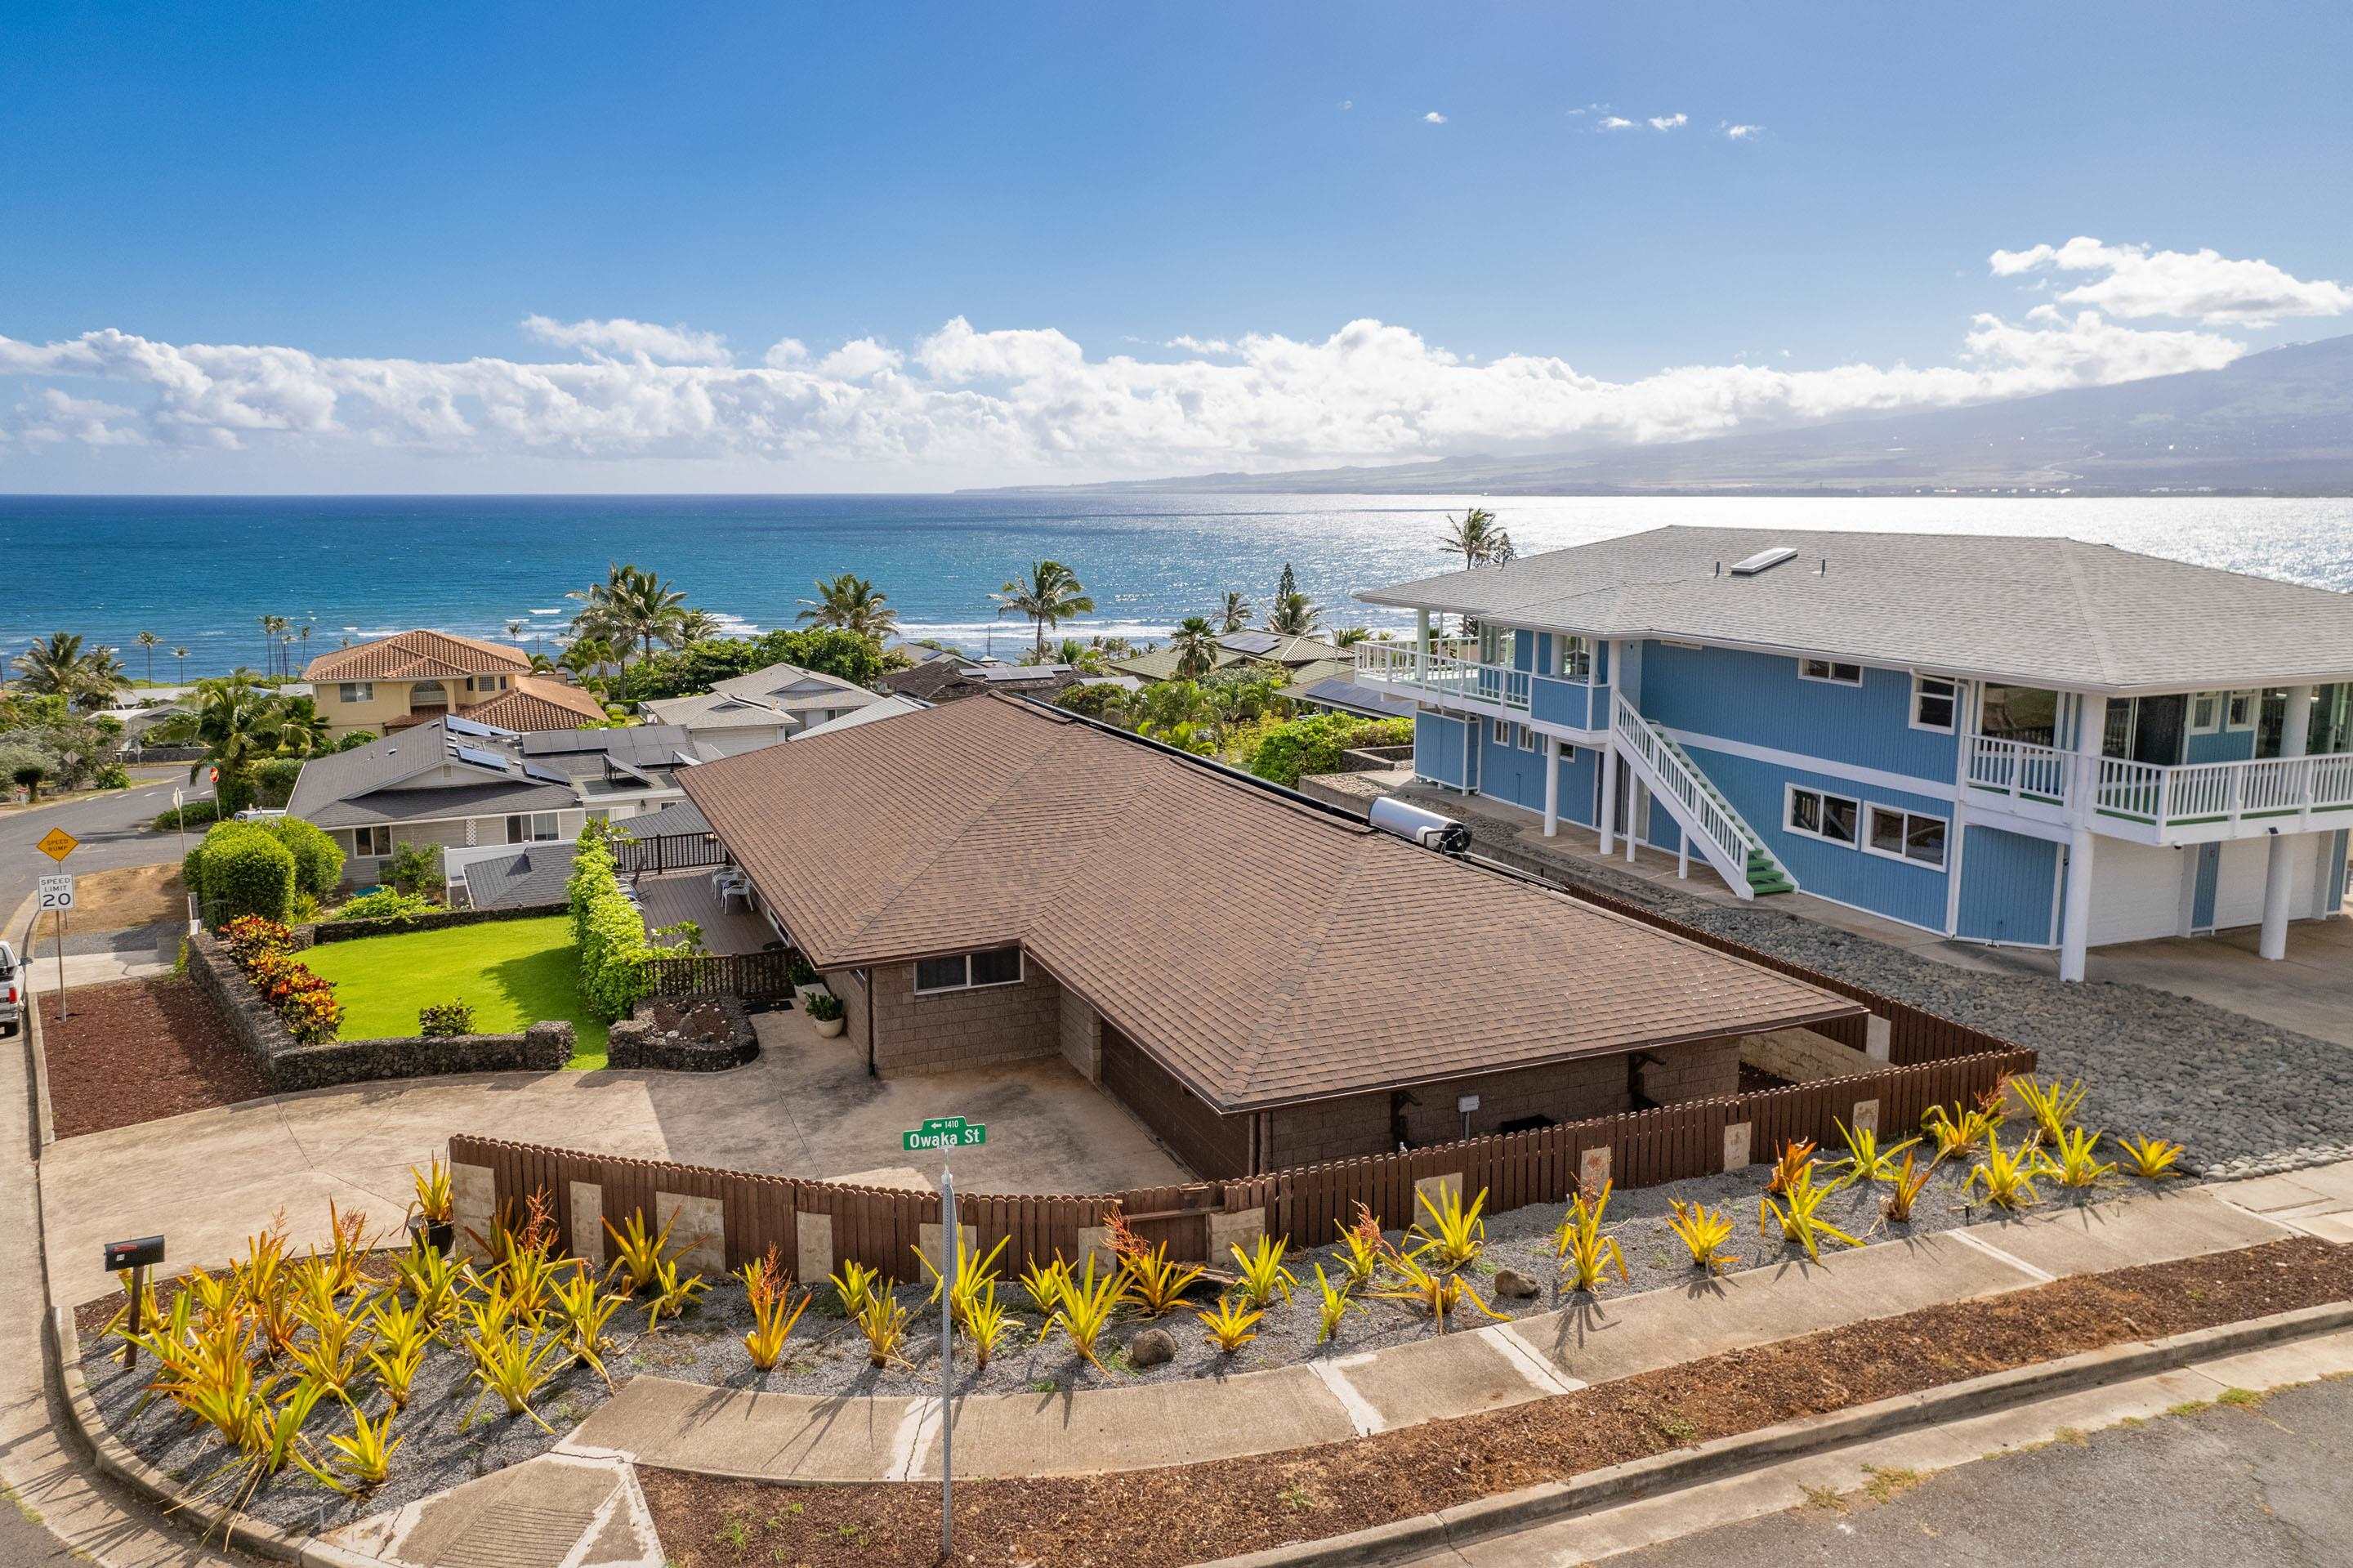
(945, 1132)
(57, 844)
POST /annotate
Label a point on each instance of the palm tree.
(1196, 646)
(631, 608)
(515, 631)
(1349, 636)
(1478, 538)
(179, 672)
(30, 772)
(296, 728)
(1294, 615)
(584, 656)
(850, 603)
(1053, 595)
(1179, 713)
(1236, 615)
(148, 641)
(51, 668)
(268, 637)
(306, 646)
(695, 626)
(236, 723)
(98, 677)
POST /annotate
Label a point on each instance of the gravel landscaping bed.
(1190, 1513)
(136, 1050)
(2246, 1097)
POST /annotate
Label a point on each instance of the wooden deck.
(671, 896)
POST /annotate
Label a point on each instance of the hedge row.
(257, 867)
(1289, 751)
(608, 927)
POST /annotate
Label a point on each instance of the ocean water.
(199, 571)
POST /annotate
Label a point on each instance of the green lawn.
(515, 972)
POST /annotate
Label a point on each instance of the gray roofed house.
(761, 708)
(520, 879)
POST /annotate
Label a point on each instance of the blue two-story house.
(2028, 741)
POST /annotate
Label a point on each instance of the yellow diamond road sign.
(57, 844)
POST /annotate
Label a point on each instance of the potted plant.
(826, 1011)
(433, 1214)
(802, 976)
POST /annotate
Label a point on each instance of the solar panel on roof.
(1250, 641)
(482, 759)
(544, 775)
(476, 727)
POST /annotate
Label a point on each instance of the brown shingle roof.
(1265, 951)
(534, 702)
(415, 656)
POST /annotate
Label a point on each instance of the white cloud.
(1669, 121)
(1346, 104)
(1192, 344)
(785, 354)
(1433, 118)
(1613, 123)
(1010, 403)
(2191, 285)
(1742, 132)
(623, 338)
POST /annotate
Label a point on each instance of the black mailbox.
(145, 1252)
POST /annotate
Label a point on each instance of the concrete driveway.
(208, 1179)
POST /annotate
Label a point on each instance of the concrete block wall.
(1803, 1056)
(948, 1031)
(1695, 1071)
(1356, 1124)
(1081, 1037)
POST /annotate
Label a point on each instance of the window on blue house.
(1835, 670)
(1906, 835)
(1525, 737)
(2206, 713)
(1817, 814)
(1935, 702)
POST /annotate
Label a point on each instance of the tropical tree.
(305, 635)
(586, 657)
(99, 678)
(147, 641)
(695, 626)
(1086, 657)
(1349, 636)
(1235, 616)
(631, 608)
(1053, 595)
(179, 670)
(515, 631)
(850, 603)
(298, 728)
(1179, 713)
(1478, 538)
(1294, 615)
(1196, 646)
(268, 624)
(51, 668)
(29, 773)
(236, 724)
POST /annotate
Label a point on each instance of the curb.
(44, 1120)
(1669, 1472)
(214, 1524)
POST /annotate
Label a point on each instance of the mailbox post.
(138, 1256)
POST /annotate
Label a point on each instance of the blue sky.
(409, 184)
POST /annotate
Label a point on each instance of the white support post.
(1421, 647)
(2076, 917)
(1636, 794)
(1609, 794)
(1551, 784)
(2279, 871)
(1682, 854)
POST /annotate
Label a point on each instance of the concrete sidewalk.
(781, 1437)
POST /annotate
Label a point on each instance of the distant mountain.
(2279, 422)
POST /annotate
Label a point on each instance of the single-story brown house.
(1264, 982)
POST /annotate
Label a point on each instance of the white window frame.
(363, 837)
(1830, 668)
(1524, 736)
(2253, 703)
(1020, 971)
(1502, 733)
(356, 691)
(1790, 794)
(1953, 694)
(1905, 817)
(2216, 703)
(530, 820)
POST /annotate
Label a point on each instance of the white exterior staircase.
(1737, 852)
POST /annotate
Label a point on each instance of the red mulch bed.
(136, 1050)
(1196, 1513)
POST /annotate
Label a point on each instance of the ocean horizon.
(199, 571)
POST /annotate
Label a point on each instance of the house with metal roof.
(418, 676)
(1253, 974)
(2031, 741)
(457, 784)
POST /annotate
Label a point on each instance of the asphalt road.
(2262, 1486)
(112, 829)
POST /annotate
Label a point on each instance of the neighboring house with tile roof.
(2028, 741)
(416, 676)
(460, 784)
(762, 707)
(1254, 976)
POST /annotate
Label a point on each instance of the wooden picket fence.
(882, 1227)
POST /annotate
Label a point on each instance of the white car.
(12, 992)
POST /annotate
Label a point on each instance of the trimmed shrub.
(113, 776)
(610, 932)
(273, 780)
(384, 903)
(318, 861)
(1287, 752)
(241, 869)
(439, 1019)
(305, 1000)
(194, 814)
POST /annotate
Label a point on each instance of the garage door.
(1213, 1146)
(2135, 891)
(2239, 894)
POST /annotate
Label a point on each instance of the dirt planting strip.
(1198, 1512)
(137, 1050)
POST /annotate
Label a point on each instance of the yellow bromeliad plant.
(768, 1289)
(1958, 1130)
(1797, 1218)
(1703, 1232)
(1263, 1277)
(1437, 1291)
(1362, 1250)
(2052, 1104)
(2151, 1157)
(1865, 1160)
(1585, 1254)
(1086, 1308)
(1450, 1235)
(2073, 1160)
(1231, 1326)
(2007, 1175)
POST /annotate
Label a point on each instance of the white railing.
(2184, 795)
(1697, 809)
(1443, 677)
(2020, 769)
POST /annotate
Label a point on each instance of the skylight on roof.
(1762, 561)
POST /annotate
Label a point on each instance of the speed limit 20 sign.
(57, 892)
